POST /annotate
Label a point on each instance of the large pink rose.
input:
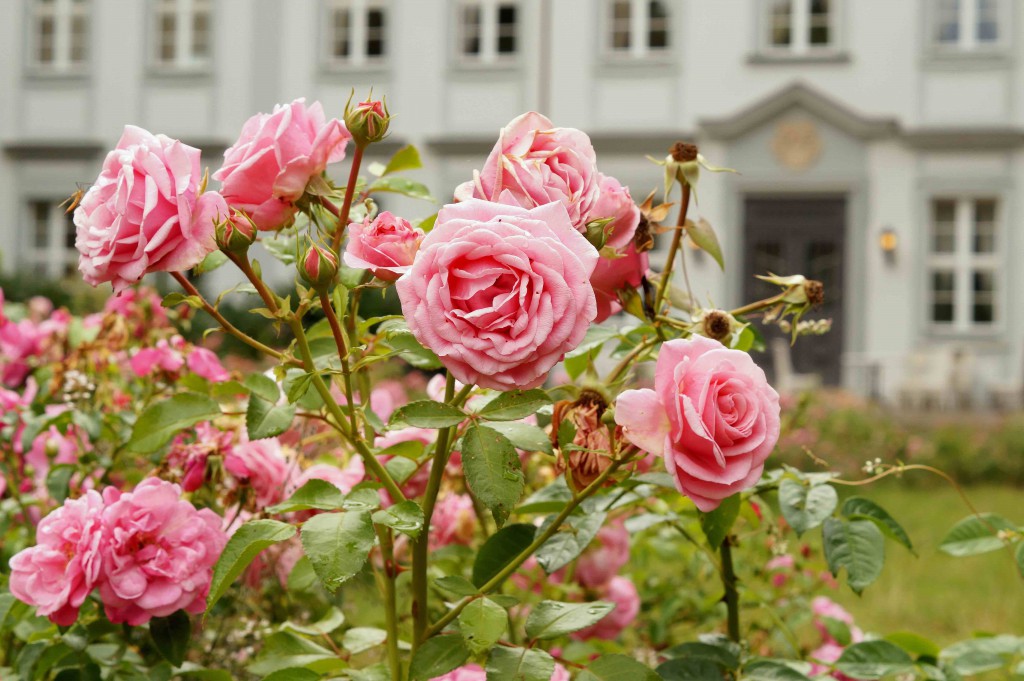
(602, 560)
(500, 292)
(158, 552)
(387, 246)
(712, 416)
(144, 212)
(263, 466)
(623, 593)
(535, 163)
(58, 573)
(266, 171)
(617, 274)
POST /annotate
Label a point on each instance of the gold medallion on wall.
(796, 144)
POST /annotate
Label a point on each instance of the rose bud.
(318, 266)
(234, 231)
(367, 121)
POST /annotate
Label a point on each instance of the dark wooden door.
(799, 236)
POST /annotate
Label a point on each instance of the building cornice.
(49, 150)
(952, 138)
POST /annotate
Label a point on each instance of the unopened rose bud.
(235, 233)
(318, 266)
(367, 121)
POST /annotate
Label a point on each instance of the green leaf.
(771, 670)
(402, 185)
(315, 494)
(285, 649)
(693, 650)
(974, 535)
(493, 470)
(524, 436)
(405, 516)
(264, 386)
(438, 656)
(166, 418)
(859, 507)
(265, 419)
(482, 623)
(457, 585)
(292, 674)
(519, 664)
(914, 643)
(873, 660)
(406, 158)
(690, 670)
(175, 299)
(551, 619)
(564, 546)
(244, 545)
(514, 405)
(617, 668)
(499, 550)
(337, 545)
(717, 523)
(171, 636)
(360, 639)
(806, 507)
(211, 262)
(397, 336)
(703, 235)
(325, 625)
(58, 480)
(426, 414)
(858, 546)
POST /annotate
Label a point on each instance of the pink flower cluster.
(824, 609)
(25, 342)
(148, 552)
(170, 356)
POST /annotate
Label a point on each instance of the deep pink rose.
(616, 274)
(615, 202)
(205, 363)
(387, 246)
(262, 465)
(500, 293)
(266, 171)
(162, 357)
(603, 559)
(144, 213)
(623, 593)
(58, 573)
(158, 552)
(712, 416)
(453, 522)
(823, 608)
(535, 163)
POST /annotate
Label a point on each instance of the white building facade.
(880, 143)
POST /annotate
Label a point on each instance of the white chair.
(787, 380)
(928, 378)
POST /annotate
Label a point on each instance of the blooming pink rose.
(19, 342)
(266, 171)
(467, 672)
(615, 202)
(623, 594)
(58, 573)
(601, 561)
(617, 274)
(500, 293)
(535, 163)
(453, 522)
(387, 246)
(144, 213)
(205, 363)
(262, 465)
(162, 357)
(712, 416)
(51, 447)
(823, 608)
(158, 552)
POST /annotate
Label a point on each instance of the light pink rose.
(602, 560)
(712, 416)
(616, 202)
(535, 163)
(144, 213)
(784, 562)
(617, 274)
(20, 342)
(623, 593)
(266, 171)
(51, 447)
(823, 607)
(58, 573)
(205, 363)
(387, 246)
(500, 293)
(467, 672)
(158, 552)
(453, 522)
(262, 465)
(162, 357)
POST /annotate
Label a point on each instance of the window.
(50, 237)
(964, 263)
(356, 33)
(800, 26)
(488, 30)
(59, 35)
(637, 28)
(182, 34)
(967, 24)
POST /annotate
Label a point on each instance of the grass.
(941, 597)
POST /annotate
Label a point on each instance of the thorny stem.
(339, 340)
(758, 305)
(732, 596)
(390, 601)
(346, 206)
(670, 260)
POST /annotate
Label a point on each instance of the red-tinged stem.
(346, 206)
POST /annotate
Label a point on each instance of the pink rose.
(205, 363)
(262, 465)
(601, 561)
(535, 163)
(500, 293)
(453, 522)
(623, 594)
(617, 274)
(144, 213)
(712, 416)
(467, 672)
(51, 447)
(58, 573)
(615, 202)
(266, 171)
(823, 608)
(162, 357)
(387, 246)
(158, 552)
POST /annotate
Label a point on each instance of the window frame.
(800, 19)
(184, 12)
(963, 262)
(63, 14)
(54, 260)
(358, 35)
(489, 33)
(639, 48)
(967, 42)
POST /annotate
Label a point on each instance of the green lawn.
(936, 595)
